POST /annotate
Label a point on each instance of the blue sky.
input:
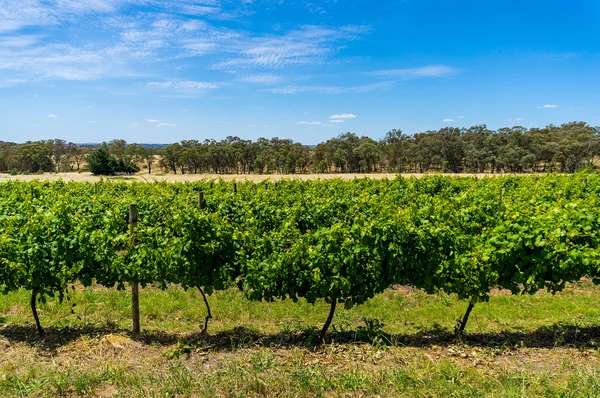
(162, 71)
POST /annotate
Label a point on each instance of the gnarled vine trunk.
(209, 315)
(328, 322)
(33, 304)
(461, 327)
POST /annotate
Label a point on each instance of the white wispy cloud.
(447, 120)
(262, 78)
(200, 10)
(93, 122)
(311, 123)
(184, 84)
(154, 35)
(308, 45)
(166, 125)
(460, 117)
(52, 116)
(64, 62)
(420, 72)
(548, 106)
(19, 40)
(17, 14)
(137, 39)
(153, 120)
(211, 8)
(12, 82)
(343, 116)
(337, 121)
(314, 8)
(333, 89)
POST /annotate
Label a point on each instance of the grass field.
(515, 346)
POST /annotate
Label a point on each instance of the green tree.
(100, 162)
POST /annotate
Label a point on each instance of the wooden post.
(234, 187)
(500, 202)
(201, 200)
(585, 182)
(135, 288)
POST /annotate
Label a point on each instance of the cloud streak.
(307, 45)
(416, 73)
(343, 116)
(261, 78)
(548, 106)
(333, 90)
(188, 84)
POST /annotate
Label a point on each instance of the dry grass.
(116, 365)
(88, 177)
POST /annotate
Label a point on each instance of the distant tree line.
(61, 156)
(478, 149)
(566, 148)
(41, 156)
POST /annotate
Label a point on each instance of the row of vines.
(339, 241)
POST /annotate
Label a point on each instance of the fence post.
(500, 202)
(585, 182)
(201, 200)
(234, 187)
(135, 287)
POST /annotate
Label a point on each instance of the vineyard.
(342, 242)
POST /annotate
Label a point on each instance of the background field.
(88, 177)
(540, 345)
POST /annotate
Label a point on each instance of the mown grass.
(541, 345)
(403, 310)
